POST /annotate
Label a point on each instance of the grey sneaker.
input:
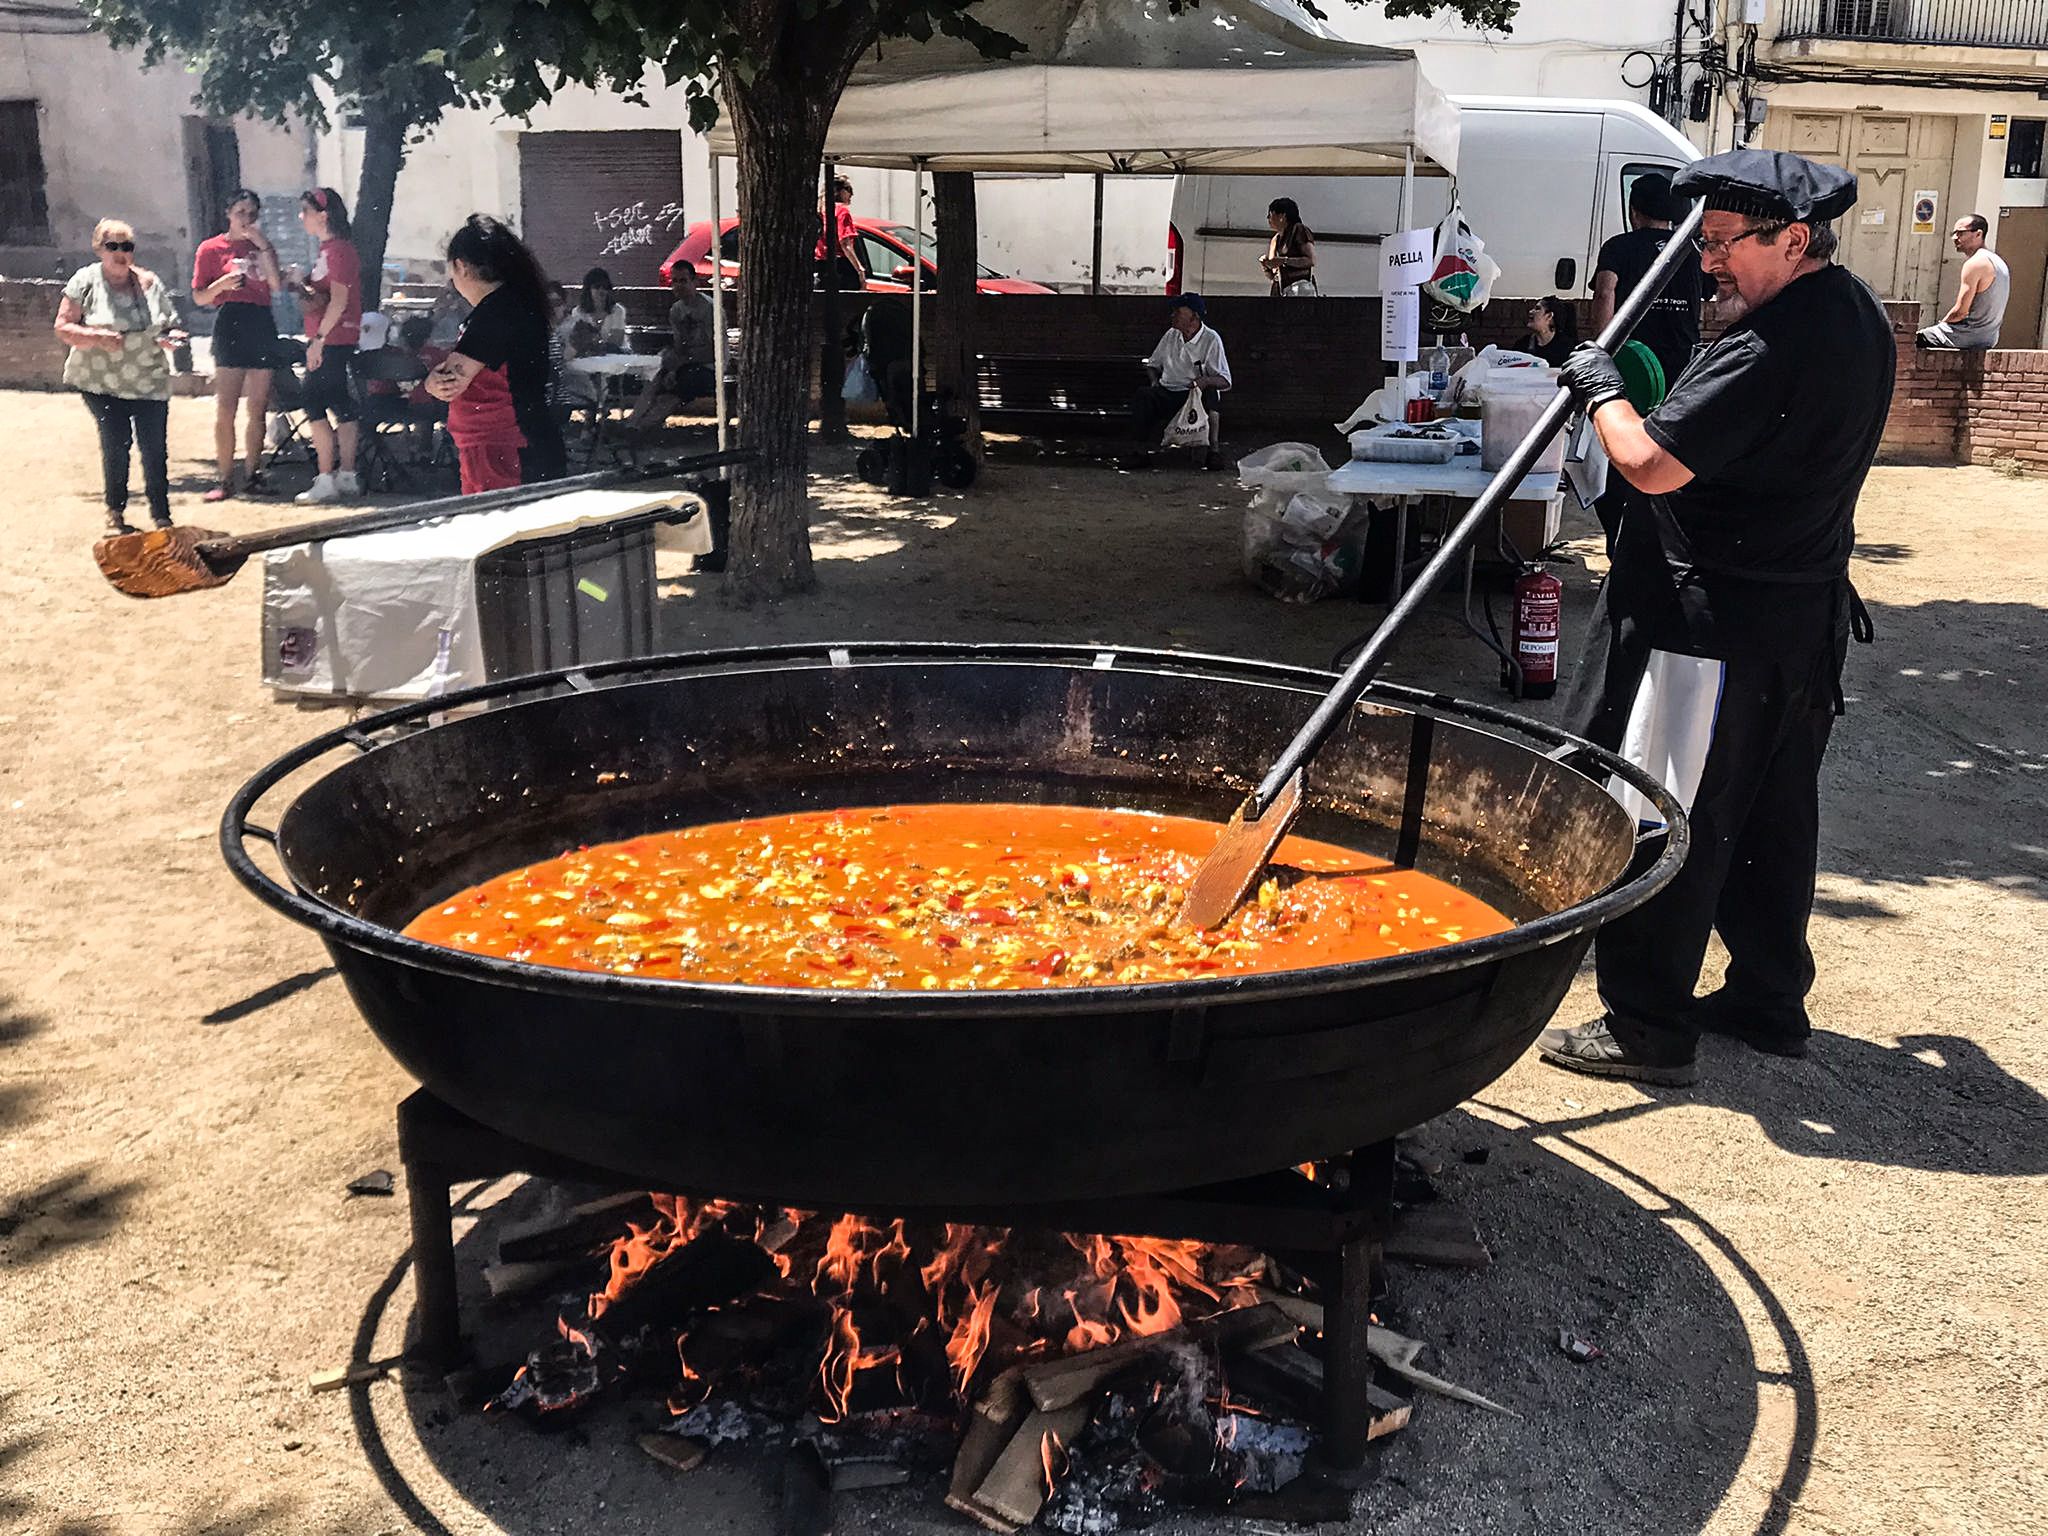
(1593, 1050)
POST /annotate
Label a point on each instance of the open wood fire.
(1090, 1383)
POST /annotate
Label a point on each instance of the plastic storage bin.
(564, 601)
(1378, 444)
(1512, 402)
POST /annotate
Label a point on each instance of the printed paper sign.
(1924, 206)
(1404, 262)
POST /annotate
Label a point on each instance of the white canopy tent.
(1125, 87)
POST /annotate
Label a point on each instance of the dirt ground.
(1818, 1284)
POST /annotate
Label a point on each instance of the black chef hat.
(1768, 184)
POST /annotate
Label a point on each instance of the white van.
(1544, 181)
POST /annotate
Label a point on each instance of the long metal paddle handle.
(1338, 701)
(222, 551)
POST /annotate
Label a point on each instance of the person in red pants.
(495, 382)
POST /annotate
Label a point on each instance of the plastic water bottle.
(1439, 370)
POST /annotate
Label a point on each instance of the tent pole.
(717, 309)
(1407, 217)
(1095, 279)
(916, 298)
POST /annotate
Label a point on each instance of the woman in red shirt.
(496, 379)
(235, 274)
(331, 297)
(838, 252)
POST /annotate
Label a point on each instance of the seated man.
(686, 362)
(1188, 356)
(1973, 321)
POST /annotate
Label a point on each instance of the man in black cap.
(1724, 621)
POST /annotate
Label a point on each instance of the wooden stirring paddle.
(163, 562)
(1255, 830)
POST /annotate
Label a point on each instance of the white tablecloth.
(1461, 477)
(363, 618)
(643, 364)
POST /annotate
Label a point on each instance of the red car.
(885, 249)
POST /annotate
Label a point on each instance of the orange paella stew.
(943, 896)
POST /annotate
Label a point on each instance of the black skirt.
(244, 336)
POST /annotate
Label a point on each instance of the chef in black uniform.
(1721, 631)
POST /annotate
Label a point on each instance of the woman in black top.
(1290, 259)
(496, 380)
(1553, 331)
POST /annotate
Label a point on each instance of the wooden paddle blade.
(161, 562)
(1232, 868)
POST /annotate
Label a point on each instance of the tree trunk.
(384, 131)
(779, 115)
(954, 340)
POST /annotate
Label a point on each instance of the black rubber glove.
(1589, 373)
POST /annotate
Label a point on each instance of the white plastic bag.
(859, 388)
(1189, 429)
(1462, 276)
(1285, 469)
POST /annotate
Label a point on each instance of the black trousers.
(143, 422)
(1755, 845)
(1155, 405)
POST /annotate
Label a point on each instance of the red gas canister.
(1539, 601)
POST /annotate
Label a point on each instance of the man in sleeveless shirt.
(1719, 637)
(1972, 322)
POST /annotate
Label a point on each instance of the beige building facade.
(87, 133)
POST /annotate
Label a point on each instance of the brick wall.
(30, 355)
(2006, 420)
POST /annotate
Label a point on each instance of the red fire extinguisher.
(1539, 602)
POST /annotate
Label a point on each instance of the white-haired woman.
(120, 324)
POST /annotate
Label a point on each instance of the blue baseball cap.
(1191, 301)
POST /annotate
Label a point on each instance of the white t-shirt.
(1183, 359)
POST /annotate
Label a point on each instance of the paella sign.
(1404, 263)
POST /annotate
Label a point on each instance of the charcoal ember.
(723, 1422)
(1269, 1454)
(911, 1438)
(559, 1378)
(1108, 1483)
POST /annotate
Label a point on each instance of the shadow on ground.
(1649, 1440)
(1935, 1103)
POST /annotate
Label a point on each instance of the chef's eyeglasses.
(1722, 247)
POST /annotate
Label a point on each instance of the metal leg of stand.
(1347, 1314)
(1400, 577)
(433, 1264)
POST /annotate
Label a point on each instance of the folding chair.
(378, 414)
(288, 402)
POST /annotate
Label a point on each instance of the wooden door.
(2023, 242)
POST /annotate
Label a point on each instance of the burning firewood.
(1057, 1383)
(576, 1233)
(1017, 1486)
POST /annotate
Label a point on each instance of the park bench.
(1076, 388)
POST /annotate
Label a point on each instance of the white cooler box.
(468, 599)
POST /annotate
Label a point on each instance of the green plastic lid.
(1642, 375)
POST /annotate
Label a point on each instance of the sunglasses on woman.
(117, 245)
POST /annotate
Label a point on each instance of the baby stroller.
(903, 465)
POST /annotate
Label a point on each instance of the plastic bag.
(1294, 546)
(1462, 278)
(1190, 429)
(1285, 469)
(1469, 382)
(859, 388)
